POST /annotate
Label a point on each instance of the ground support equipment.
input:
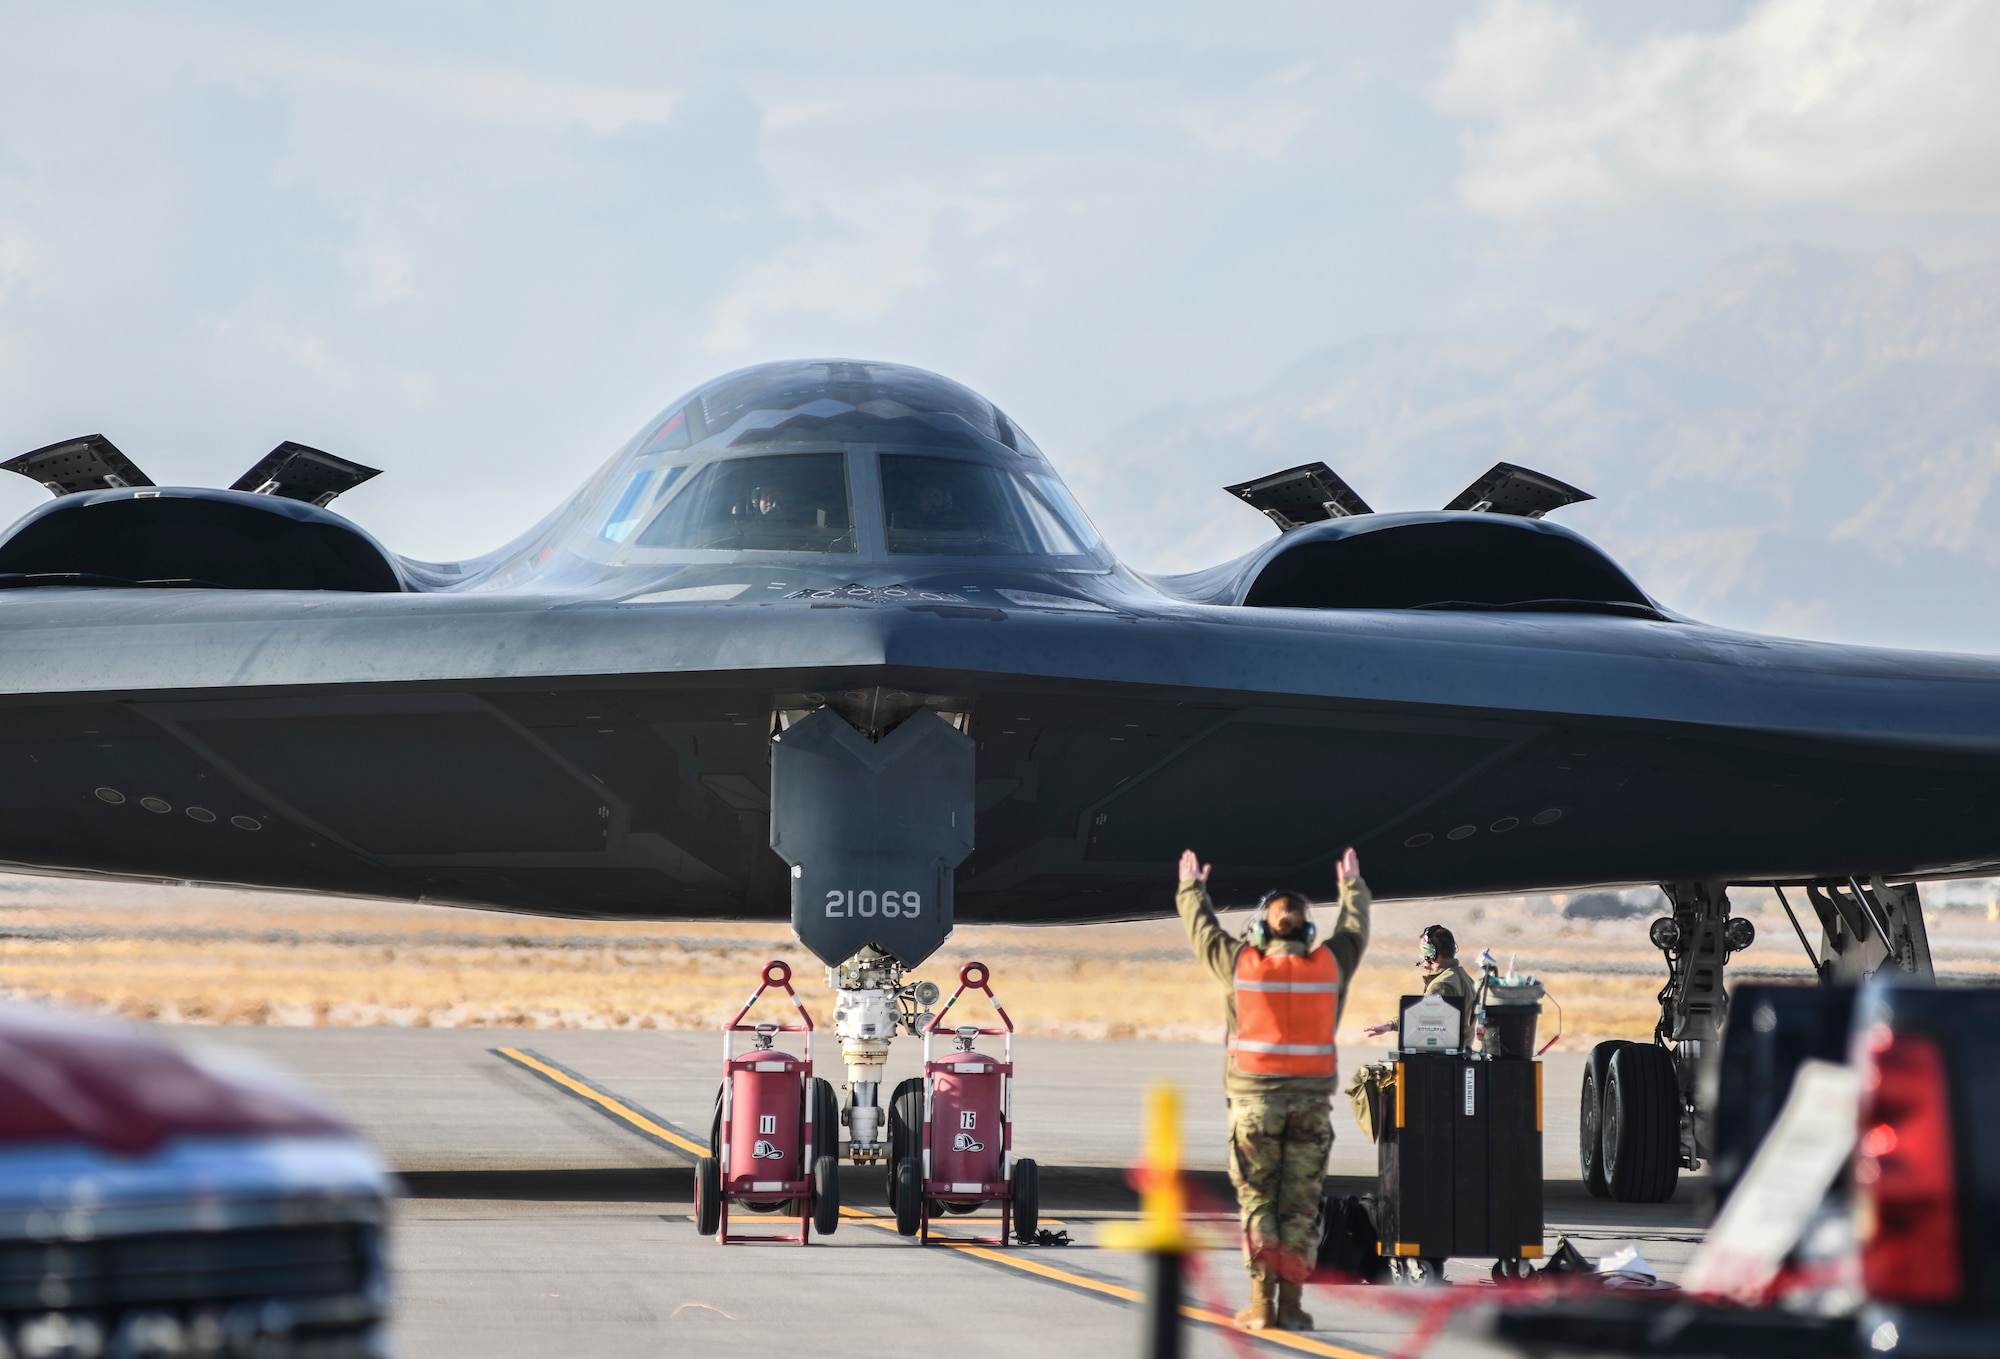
(775, 1144)
(958, 1153)
(1459, 1164)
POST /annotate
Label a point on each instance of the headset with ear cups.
(1259, 933)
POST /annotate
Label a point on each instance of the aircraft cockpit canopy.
(949, 506)
(836, 457)
(780, 502)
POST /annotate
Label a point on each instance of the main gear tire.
(906, 1121)
(1027, 1204)
(1642, 1125)
(826, 1194)
(909, 1196)
(707, 1197)
(1590, 1120)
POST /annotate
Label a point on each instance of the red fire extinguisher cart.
(964, 1152)
(776, 1142)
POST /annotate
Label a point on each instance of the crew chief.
(1285, 998)
(1437, 959)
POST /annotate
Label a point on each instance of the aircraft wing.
(226, 686)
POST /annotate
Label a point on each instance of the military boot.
(1262, 1313)
(1292, 1316)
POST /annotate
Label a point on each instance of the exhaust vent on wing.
(295, 472)
(92, 463)
(1507, 489)
(1301, 495)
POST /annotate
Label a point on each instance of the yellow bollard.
(1161, 1230)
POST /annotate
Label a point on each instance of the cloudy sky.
(478, 244)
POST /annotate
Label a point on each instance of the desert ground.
(182, 954)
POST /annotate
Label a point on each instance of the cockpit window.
(638, 496)
(1075, 522)
(625, 514)
(951, 507)
(789, 502)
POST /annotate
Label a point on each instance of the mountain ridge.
(1803, 442)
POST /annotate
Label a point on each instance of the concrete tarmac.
(538, 1226)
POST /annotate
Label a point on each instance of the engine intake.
(1451, 561)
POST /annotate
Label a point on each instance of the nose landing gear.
(872, 1004)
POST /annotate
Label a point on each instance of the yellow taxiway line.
(1286, 1339)
(609, 1103)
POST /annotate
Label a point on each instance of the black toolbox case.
(1460, 1158)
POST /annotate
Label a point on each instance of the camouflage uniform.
(1278, 1145)
(1280, 1127)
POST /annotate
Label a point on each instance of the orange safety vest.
(1285, 1010)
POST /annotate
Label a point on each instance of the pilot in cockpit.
(936, 510)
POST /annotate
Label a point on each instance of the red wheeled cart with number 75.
(774, 1147)
(958, 1152)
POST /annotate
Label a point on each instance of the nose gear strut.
(872, 1004)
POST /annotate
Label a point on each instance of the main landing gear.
(1641, 1123)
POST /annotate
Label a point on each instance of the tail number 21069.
(869, 904)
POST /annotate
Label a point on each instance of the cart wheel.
(826, 1195)
(960, 1207)
(1509, 1271)
(826, 1120)
(909, 1196)
(1027, 1200)
(906, 1120)
(1590, 1118)
(1418, 1271)
(707, 1196)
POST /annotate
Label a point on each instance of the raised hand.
(1194, 870)
(1350, 866)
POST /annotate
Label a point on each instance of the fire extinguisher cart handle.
(777, 972)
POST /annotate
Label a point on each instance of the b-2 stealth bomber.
(830, 642)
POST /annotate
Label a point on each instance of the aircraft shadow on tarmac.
(1065, 1189)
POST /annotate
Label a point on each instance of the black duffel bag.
(1348, 1244)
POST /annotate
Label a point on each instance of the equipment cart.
(1460, 1160)
(952, 1132)
(775, 1144)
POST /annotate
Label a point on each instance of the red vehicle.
(154, 1203)
(775, 1146)
(957, 1154)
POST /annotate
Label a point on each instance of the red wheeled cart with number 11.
(963, 1155)
(774, 1147)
